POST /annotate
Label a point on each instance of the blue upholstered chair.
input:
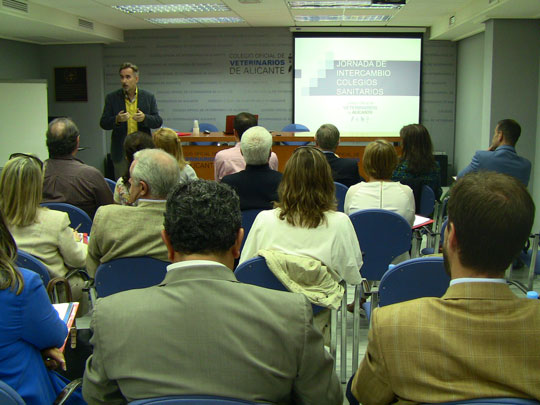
(76, 215)
(256, 272)
(111, 184)
(128, 273)
(8, 396)
(383, 235)
(27, 261)
(427, 202)
(206, 127)
(341, 192)
(415, 278)
(295, 128)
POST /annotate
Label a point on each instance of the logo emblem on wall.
(254, 63)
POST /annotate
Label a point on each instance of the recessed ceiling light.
(353, 4)
(204, 20)
(171, 8)
(329, 18)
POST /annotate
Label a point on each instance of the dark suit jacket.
(256, 186)
(114, 103)
(344, 171)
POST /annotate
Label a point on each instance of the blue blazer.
(504, 159)
(114, 103)
(29, 324)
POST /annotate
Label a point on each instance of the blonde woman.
(30, 331)
(39, 231)
(167, 139)
(305, 222)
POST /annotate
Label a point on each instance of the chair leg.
(532, 264)
(343, 350)
(333, 335)
(356, 327)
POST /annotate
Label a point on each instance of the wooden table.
(201, 157)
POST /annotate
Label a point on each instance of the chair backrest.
(501, 401)
(415, 278)
(27, 261)
(255, 271)
(76, 215)
(8, 396)
(111, 184)
(341, 192)
(208, 127)
(295, 128)
(248, 216)
(427, 201)
(191, 399)
(128, 273)
(383, 235)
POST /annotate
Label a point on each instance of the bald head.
(62, 137)
(158, 169)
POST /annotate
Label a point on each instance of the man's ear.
(144, 189)
(167, 240)
(235, 249)
(450, 233)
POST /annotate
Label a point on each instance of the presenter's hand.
(139, 116)
(53, 358)
(122, 116)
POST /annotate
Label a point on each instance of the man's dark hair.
(129, 65)
(510, 129)
(62, 135)
(202, 217)
(327, 137)
(243, 122)
(493, 214)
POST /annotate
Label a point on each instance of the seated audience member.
(256, 185)
(305, 222)
(379, 191)
(124, 231)
(479, 340)
(30, 331)
(417, 165)
(202, 331)
(344, 171)
(134, 142)
(230, 160)
(42, 232)
(167, 139)
(501, 156)
(68, 179)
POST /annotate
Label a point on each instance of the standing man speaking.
(128, 110)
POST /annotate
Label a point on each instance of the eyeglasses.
(33, 157)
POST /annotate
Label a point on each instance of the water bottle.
(196, 128)
(532, 295)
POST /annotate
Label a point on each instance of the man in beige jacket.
(479, 340)
(129, 231)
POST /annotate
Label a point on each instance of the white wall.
(85, 114)
(469, 98)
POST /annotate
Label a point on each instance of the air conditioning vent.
(86, 24)
(16, 5)
(249, 1)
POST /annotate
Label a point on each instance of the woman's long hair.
(133, 143)
(307, 189)
(167, 139)
(10, 277)
(417, 148)
(21, 188)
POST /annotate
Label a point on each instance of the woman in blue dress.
(30, 331)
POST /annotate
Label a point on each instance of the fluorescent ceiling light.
(204, 20)
(329, 18)
(171, 8)
(353, 4)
